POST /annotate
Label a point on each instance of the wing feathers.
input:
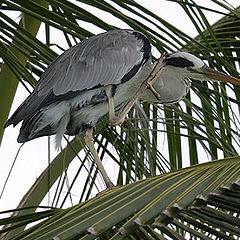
(100, 60)
(104, 59)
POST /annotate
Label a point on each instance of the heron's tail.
(45, 122)
(30, 128)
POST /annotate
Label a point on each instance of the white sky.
(33, 157)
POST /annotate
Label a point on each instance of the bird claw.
(154, 76)
(107, 190)
(117, 120)
(156, 93)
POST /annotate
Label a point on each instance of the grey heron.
(102, 75)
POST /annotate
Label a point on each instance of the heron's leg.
(148, 83)
(154, 75)
(111, 111)
(89, 142)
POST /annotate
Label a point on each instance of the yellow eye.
(190, 69)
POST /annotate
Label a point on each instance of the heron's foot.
(153, 90)
(110, 185)
(153, 77)
(107, 189)
(117, 120)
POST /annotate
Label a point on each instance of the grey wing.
(104, 59)
(100, 60)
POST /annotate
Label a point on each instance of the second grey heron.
(100, 76)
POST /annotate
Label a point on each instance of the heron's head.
(192, 67)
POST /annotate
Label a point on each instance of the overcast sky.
(33, 157)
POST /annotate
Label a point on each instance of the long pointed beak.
(219, 76)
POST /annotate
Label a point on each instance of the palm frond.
(176, 203)
(207, 120)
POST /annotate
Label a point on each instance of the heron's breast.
(171, 88)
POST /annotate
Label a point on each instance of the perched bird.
(100, 76)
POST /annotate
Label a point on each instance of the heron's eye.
(193, 70)
(190, 69)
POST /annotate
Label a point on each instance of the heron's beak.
(218, 76)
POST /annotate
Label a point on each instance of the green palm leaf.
(184, 195)
(211, 125)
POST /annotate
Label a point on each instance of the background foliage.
(178, 204)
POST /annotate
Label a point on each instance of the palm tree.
(163, 200)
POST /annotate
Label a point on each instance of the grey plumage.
(105, 59)
(72, 95)
(96, 61)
